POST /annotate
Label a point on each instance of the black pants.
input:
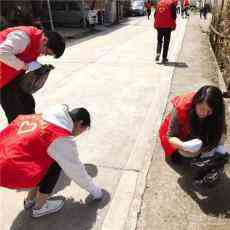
(14, 101)
(178, 10)
(148, 12)
(163, 34)
(49, 181)
(203, 12)
(184, 12)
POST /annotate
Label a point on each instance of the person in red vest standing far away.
(164, 23)
(186, 5)
(35, 148)
(148, 6)
(20, 46)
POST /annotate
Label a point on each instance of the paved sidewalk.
(170, 202)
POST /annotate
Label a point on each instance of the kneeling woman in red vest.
(34, 149)
(196, 125)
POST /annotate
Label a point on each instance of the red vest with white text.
(182, 104)
(163, 15)
(7, 73)
(23, 151)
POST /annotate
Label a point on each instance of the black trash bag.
(208, 170)
(32, 81)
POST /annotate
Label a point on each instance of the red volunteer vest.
(148, 5)
(182, 105)
(163, 16)
(7, 73)
(186, 3)
(23, 151)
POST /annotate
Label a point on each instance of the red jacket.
(7, 73)
(23, 151)
(182, 105)
(163, 15)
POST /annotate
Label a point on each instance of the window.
(74, 6)
(58, 6)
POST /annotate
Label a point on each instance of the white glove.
(95, 191)
(193, 145)
(33, 66)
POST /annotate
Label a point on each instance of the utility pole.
(83, 14)
(117, 11)
(50, 15)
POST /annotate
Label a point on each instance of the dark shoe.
(157, 57)
(165, 60)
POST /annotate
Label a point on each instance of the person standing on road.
(186, 5)
(204, 11)
(35, 148)
(20, 46)
(148, 6)
(164, 23)
(178, 8)
(196, 126)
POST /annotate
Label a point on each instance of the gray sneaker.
(51, 206)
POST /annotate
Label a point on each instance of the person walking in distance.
(186, 5)
(148, 6)
(164, 22)
(20, 46)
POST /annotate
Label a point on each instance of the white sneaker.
(29, 203)
(51, 206)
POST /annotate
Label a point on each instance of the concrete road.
(114, 76)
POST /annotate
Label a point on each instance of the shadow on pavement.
(182, 169)
(175, 64)
(213, 201)
(74, 216)
(64, 181)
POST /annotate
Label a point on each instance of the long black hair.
(81, 114)
(211, 128)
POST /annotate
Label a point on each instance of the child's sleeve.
(64, 152)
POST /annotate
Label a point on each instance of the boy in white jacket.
(31, 130)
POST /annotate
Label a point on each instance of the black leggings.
(15, 102)
(163, 39)
(148, 12)
(49, 181)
